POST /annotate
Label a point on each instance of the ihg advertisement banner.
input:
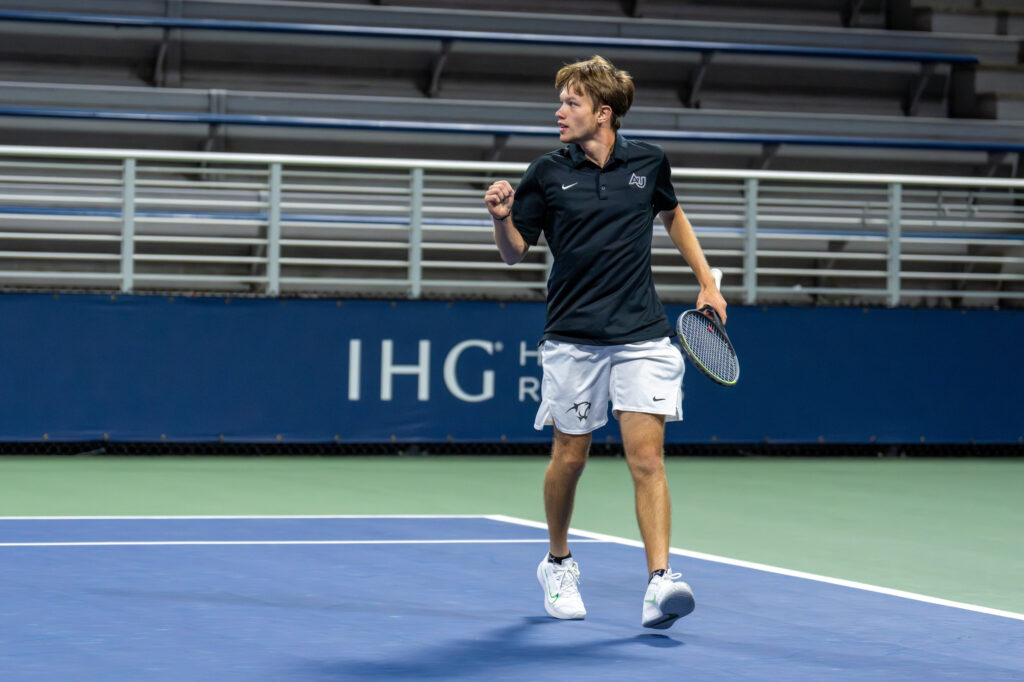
(152, 368)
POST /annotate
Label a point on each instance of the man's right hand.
(499, 199)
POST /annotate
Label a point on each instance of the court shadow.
(515, 650)
(658, 641)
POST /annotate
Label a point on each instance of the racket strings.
(709, 346)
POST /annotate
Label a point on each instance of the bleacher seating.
(807, 85)
(328, 76)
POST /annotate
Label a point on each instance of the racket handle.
(717, 274)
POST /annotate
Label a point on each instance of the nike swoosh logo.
(554, 597)
(651, 601)
(657, 400)
(568, 186)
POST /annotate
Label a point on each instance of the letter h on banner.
(388, 369)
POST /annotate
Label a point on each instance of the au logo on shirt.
(638, 180)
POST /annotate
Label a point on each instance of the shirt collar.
(620, 152)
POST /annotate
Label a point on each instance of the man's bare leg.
(643, 436)
(560, 577)
(568, 457)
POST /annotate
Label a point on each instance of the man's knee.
(647, 463)
(643, 436)
(570, 451)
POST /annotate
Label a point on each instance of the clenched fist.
(499, 199)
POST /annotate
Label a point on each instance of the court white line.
(583, 536)
(244, 517)
(776, 569)
(173, 543)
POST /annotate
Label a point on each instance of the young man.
(606, 335)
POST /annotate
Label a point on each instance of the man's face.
(577, 118)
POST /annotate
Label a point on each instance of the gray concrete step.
(511, 110)
(993, 78)
(1006, 106)
(969, 5)
(980, 17)
(45, 131)
(559, 18)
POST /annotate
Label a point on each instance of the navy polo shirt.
(598, 224)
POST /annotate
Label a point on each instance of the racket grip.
(717, 274)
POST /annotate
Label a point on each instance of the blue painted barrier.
(147, 368)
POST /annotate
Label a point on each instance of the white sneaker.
(561, 594)
(666, 601)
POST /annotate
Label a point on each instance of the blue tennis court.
(346, 598)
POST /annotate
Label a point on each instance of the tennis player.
(606, 335)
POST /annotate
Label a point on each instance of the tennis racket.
(705, 342)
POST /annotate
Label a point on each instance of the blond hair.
(598, 79)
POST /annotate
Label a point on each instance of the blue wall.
(139, 368)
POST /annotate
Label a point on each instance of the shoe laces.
(666, 578)
(572, 571)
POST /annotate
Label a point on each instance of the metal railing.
(150, 221)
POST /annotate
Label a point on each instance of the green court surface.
(947, 528)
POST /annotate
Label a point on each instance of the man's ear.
(604, 114)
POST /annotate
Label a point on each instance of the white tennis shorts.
(580, 380)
